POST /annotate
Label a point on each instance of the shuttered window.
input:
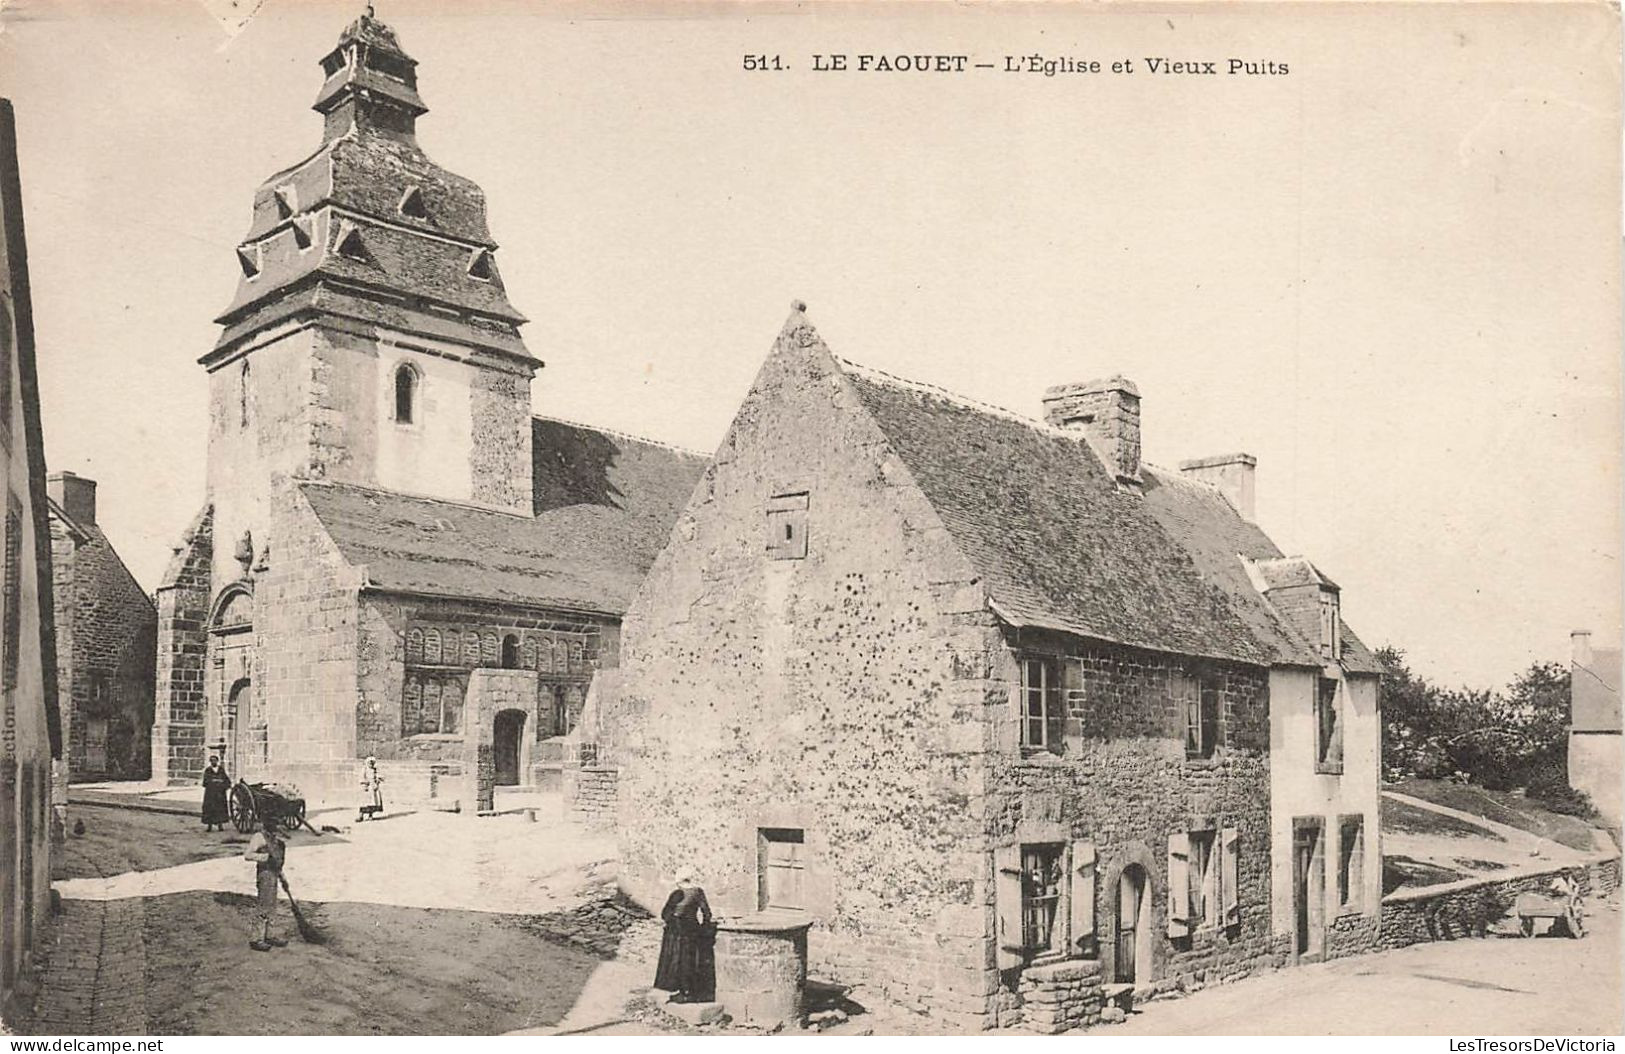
(1351, 863)
(1179, 885)
(1328, 727)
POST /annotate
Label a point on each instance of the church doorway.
(239, 704)
(507, 735)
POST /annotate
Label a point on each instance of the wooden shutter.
(1007, 900)
(1081, 907)
(1179, 885)
(1229, 877)
(1072, 699)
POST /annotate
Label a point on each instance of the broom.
(307, 933)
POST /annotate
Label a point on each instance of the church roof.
(604, 503)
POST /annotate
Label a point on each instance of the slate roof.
(1594, 692)
(1058, 544)
(605, 504)
(1061, 546)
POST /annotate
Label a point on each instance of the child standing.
(268, 851)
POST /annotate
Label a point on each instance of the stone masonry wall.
(1119, 777)
(1462, 909)
(500, 454)
(183, 610)
(106, 651)
(843, 695)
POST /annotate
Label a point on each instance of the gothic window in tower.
(406, 393)
(412, 204)
(480, 267)
(248, 258)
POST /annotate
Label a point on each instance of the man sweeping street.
(268, 851)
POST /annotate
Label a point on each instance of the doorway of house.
(1132, 950)
(507, 733)
(1308, 888)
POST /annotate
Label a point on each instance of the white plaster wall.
(1594, 767)
(430, 456)
(1296, 789)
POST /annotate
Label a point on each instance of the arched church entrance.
(507, 746)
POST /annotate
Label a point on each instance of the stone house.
(1018, 720)
(1595, 750)
(106, 636)
(31, 738)
(396, 558)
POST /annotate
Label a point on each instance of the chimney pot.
(76, 495)
(1107, 412)
(1232, 474)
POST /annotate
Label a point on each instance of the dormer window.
(479, 265)
(248, 258)
(412, 204)
(301, 233)
(335, 61)
(287, 202)
(406, 393)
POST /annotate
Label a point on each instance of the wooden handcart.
(1565, 911)
(249, 803)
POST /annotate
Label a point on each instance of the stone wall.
(500, 451)
(1062, 996)
(1119, 778)
(1463, 909)
(591, 792)
(183, 611)
(106, 652)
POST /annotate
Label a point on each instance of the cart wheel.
(240, 807)
(1527, 924)
(1577, 926)
(293, 817)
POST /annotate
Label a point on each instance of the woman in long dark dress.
(215, 785)
(686, 967)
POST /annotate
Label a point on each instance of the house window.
(1204, 873)
(781, 868)
(406, 392)
(13, 593)
(1351, 863)
(1042, 880)
(1328, 728)
(787, 527)
(1204, 879)
(1201, 718)
(1037, 702)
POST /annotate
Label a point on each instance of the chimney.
(1232, 474)
(75, 494)
(1580, 640)
(1108, 413)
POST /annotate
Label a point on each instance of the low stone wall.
(1469, 908)
(1353, 935)
(1061, 996)
(590, 795)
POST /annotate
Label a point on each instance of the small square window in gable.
(787, 526)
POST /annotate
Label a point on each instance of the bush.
(1557, 796)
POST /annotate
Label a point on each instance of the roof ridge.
(409, 496)
(621, 435)
(965, 401)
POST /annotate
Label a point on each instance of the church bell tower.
(370, 340)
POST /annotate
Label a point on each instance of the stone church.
(396, 558)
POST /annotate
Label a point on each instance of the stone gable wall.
(106, 654)
(844, 694)
(183, 612)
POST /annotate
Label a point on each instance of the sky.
(1392, 274)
